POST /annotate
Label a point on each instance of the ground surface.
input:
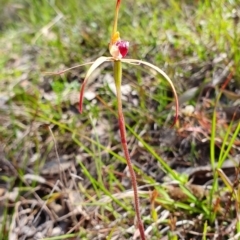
(63, 175)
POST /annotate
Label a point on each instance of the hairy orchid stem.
(118, 80)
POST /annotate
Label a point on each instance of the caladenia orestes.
(118, 49)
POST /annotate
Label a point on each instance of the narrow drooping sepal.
(165, 76)
(95, 65)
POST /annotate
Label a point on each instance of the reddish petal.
(123, 47)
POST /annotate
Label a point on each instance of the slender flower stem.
(118, 80)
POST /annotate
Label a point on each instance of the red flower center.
(122, 47)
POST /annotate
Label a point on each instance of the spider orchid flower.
(118, 50)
